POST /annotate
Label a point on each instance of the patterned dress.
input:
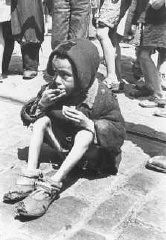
(5, 11)
(112, 11)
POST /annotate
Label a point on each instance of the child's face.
(64, 73)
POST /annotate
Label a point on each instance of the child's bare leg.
(41, 128)
(109, 54)
(82, 141)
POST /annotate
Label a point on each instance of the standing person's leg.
(152, 79)
(150, 72)
(107, 27)
(79, 19)
(2, 46)
(60, 21)
(9, 46)
(30, 57)
(162, 66)
(109, 55)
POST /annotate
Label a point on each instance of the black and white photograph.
(83, 119)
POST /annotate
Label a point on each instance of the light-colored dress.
(5, 11)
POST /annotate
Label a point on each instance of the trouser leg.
(150, 72)
(9, 45)
(30, 56)
(60, 21)
(80, 18)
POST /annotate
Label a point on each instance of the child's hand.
(78, 118)
(50, 96)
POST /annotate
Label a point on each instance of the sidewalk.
(131, 205)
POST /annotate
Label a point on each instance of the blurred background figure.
(47, 9)
(111, 14)
(153, 39)
(4, 17)
(27, 22)
(70, 19)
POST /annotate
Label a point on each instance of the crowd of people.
(75, 113)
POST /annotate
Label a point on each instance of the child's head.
(64, 79)
(74, 64)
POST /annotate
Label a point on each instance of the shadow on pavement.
(149, 140)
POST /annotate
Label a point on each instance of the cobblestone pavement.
(130, 205)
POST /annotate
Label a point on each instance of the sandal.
(24, 186)
(37, 203)
(141, 92)
(153, 102)
(160, 113)
(157, 163)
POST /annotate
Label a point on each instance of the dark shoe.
(24, 186)
(153, 102)
(157, 163)
(29, 74)
(37, 203)
(142, 92)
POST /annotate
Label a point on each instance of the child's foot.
(24, 186)
(37, 203)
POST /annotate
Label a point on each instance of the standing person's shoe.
(37, 203)
(163, 80)
(141, 92)
(29, 74)
(153, 102)
(24, 186)
(1, 78)
(157, 163)
(160, 113)
(114, 85)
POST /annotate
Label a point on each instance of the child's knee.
(42, 123)
(84, 139)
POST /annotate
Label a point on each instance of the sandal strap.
(48, 185)
(36, 173)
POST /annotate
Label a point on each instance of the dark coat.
(108, 121)
(105, 112)
(27, 20)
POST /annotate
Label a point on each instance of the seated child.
(79, 117)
